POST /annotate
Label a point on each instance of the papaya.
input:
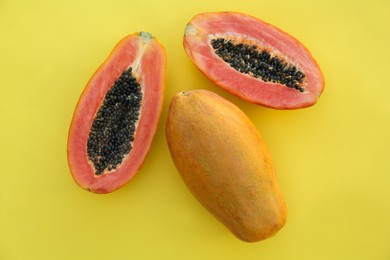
(253, 60)
(225, 163)
(117, 114)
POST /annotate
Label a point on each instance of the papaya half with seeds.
(225, 163)
(116, 117)
(253, 60)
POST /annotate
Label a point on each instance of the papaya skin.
(225, 164)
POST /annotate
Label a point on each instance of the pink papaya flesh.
(116, 117)
(253, 60)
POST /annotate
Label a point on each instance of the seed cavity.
(258, 63)
(113, 128)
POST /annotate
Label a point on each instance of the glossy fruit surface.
(225, 163)
(134, 70)
(253, 60)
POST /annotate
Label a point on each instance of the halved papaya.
(253, 60)
(116, 117)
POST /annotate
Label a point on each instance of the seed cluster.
(258, 63)
(114, 125)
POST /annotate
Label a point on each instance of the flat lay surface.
(332, 160)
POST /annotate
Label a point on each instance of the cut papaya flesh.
(116, 117)
(253, 60)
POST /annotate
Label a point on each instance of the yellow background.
(332, 160)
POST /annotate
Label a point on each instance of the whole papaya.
(225, 163)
